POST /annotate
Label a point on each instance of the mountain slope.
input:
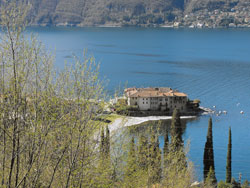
(132, 12)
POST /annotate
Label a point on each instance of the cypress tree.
(158, 168)
(107, 143)
(210, 180)
(176, 131)
(208, 158)
(166, 148)
(143, 152)
(229, 158)
(102, 146)
(154, 160)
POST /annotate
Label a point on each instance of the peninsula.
(155, 102)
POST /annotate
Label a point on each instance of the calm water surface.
(211, 65)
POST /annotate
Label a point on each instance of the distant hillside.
(138, 12)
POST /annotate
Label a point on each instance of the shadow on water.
(159, 127)
(147, 128)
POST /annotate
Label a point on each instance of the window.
(146, 102)
(142, 102)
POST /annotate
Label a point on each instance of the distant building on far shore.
(157, 99)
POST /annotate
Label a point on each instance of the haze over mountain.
(131, 12)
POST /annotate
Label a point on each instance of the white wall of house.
(144, 103)
(132, 101)
(159, 103)
(154, 104)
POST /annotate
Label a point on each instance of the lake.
(212, 65)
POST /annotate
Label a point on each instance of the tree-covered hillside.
(133, 12)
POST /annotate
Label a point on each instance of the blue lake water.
(211, 65)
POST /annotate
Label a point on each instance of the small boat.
(241, 112)
(214, 106)
(224, 112)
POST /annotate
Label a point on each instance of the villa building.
(156, 99)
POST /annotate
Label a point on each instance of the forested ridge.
(134, 12)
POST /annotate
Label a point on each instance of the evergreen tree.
(102, 146)
(154, 160)
(229, 158)
(107, 143)
(210, 180)
(131, 160)
(235, 184)
(158, 169)
(143, 152)
(208, 158)
(176, 131)
(166, 145)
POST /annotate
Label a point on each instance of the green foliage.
(107, 143)
(154, 160)
(122, 108)
(197, 101)
(210, 179)
(46, 127)
(132, 171)
(143, 153)
(235, 184)
(166, 144)
(246, 184)
(222, 184)
(229, 158)
(102, 146)
(178, 172)
(176, 131)
(48, 133)
(208, 158)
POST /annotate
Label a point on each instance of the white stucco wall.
(144, 103)
(153, 103)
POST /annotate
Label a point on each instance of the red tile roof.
(153, 92)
